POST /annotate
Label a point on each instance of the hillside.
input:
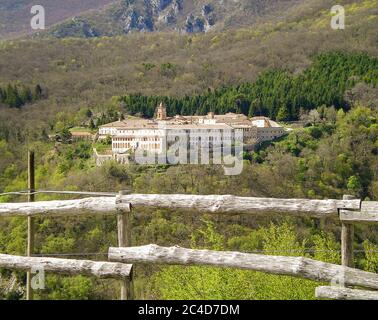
(77, 74)
(15, 14)
(189, 16)
(94, 18)
(91, 18)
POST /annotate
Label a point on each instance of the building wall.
(124, 144)
(105, 131)
(270, 133)
(151, 139)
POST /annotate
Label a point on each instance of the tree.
(314, 117)
(283, 114)
(66, 135)
(354, 184)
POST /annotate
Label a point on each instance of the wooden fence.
(348, 210)
(98, 269)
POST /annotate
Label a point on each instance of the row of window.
(119, 145)
(137, 139)
(196, 138)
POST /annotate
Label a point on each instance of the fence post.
(347, 238)
(30, 244)
(124, 240)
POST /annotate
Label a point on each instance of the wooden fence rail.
(367, 214)
(235, 204)
(292, 266)
(86, 206)
(200, 203)
(340, 293)
(68, 266)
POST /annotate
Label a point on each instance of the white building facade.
(152, 135)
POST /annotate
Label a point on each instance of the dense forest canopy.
(16, 95)
(276, 93)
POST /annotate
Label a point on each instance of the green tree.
(283, 114)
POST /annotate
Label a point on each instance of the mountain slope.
(93, 18)
(88, 18)
(188, 16)
(81, 73)
(15, 15)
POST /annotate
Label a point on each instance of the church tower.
(161, 112)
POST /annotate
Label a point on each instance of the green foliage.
(354, 184)
(13, 236)
(67, 288)
(83, 150)
(223, 283)
(168, 69)
(329, 159)
(16, 95)
(65, 135)
(371, 254)
(276, 93)
(161, 230)
(326, 248)
(148, 66)
(204, 282)
(58, 244)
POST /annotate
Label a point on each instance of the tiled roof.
(222, 122)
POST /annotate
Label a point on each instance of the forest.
(15, 96)
(276, 94)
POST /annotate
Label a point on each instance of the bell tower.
(161, 112)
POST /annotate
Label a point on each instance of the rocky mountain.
(93, 18)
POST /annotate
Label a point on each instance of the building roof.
(267, 122)
(198, 126)
(81, 133)
(131, 123)
(226, 121)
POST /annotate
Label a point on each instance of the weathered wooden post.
(347, 238)
(124, 240)
(30, 244)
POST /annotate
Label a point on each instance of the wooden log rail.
(367, 214)
(292, 266)
(235, 204)
(202, 203)
(67, 266)
(341, 293)
(86, 206)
